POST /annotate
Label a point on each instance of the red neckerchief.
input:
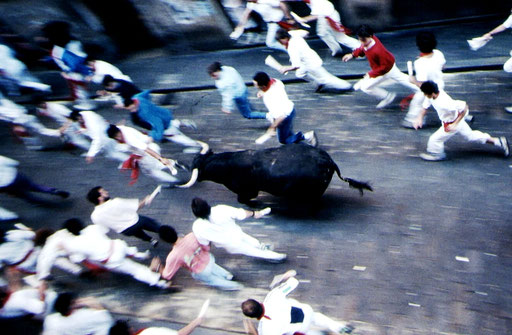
(307, 1)
(140, 331)
(3, 302)
(337, 26)
(423, 54)
(270, 83)
(263, 314)
(132, 163)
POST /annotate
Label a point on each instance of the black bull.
(296, 171)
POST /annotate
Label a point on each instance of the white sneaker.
(387, 100)
(311, 138)
(427, 156)
(508, 109)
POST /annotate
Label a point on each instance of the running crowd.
(28, 256)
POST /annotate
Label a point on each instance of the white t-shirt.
(301, 55)
(447, 109)
(117, 214)
(278, 311)
(92, 244)
(57, 111)
(221, 226)
(431, 68)
(276, 100)
(84, 321)
(137, 141)
(268, 9)
(508, 22)
(321, 7)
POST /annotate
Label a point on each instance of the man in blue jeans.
(233, 90)
(281, 110)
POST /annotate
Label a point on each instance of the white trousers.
(136, 270)
(321, 76)
(244, 244)
(271, 41)
(175, 135)
(312, 318)
(7, 215)
(333, 37)
(371, 85)
(436, 140)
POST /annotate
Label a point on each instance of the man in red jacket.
(383, 68)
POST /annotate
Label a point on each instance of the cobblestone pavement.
(428, 252)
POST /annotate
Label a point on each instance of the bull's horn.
(204, 147)
(192, 181)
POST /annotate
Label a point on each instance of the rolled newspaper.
(153, 195)
(477, 42)
(409, 68)
(263, 138)
(273, 63)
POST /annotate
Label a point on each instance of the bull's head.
(196, 165)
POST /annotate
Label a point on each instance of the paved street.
(428, 252)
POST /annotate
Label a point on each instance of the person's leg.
(285, 133)
(341, 37)
(401, 78)
(137, 231)
(136, 270)
(371, 86)
(245, 108)
(415, 107)
(322, 77)
(324, 31)
(148, 223)
(436, 141)
(249, 249)
(175, 135)
(214, 275)
(477, 136)
(22, 186)
(271, 41)
(322, 321)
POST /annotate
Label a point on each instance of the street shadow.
(333, 204)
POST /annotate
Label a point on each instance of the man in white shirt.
(217, 225)
(94, 126)
(281, 110)
(233, 90)
(451, 113)
(280, 315)
(84, 316)
(120, 215)
(144, 152)
(91, 244)
(328, 26)
(306, 63)
(272, 12)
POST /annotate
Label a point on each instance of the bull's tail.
(352, 182)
